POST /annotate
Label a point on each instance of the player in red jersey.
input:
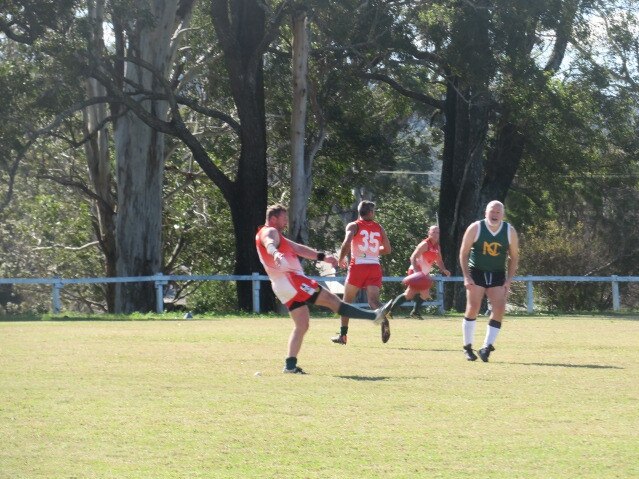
(365, 240)
(280, 258)
(426, 254)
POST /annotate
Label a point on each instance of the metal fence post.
(616, 303)
(55, 295)
(529, 296)
(159, 292)
(440, 295)
(256, 292)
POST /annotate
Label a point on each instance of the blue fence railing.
(161, 281)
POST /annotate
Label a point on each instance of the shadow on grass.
(564, 365)
(365, 378)
(429, 349)
(113, 317)
(95, 318)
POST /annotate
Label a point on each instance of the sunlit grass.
(180, 399)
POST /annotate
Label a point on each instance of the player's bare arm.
(313, 254)
(351, 229)
(513, 257)
(419, 250)
(385, 248)
(464, 252)
(440, 264)
(270, 238)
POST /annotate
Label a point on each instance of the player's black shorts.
(486, 279)
(311, 300)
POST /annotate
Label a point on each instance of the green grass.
(180, 399)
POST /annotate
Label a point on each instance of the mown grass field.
(180, 399)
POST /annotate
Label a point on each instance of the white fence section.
(161, 282)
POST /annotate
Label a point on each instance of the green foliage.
(213, 296)
(198, 238)
(47, 235)
(406, 222)
(556, 249)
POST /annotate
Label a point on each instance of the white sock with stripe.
(468, 328)
(491, 332)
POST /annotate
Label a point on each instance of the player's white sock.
(491, 332)
(468, 328)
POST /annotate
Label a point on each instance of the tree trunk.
(240, 27)
(467, 106)
(462, 176)
(301, 183)
(140, 153)
(503, 163)
(98, 160)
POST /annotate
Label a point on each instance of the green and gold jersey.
(489, 252)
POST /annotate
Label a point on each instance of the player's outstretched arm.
(312, 253)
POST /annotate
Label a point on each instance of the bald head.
(494, 213)
(494, 204)
(433, 234)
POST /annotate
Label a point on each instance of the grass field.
(180, 399)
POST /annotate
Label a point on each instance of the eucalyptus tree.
(145, 42)
(98, 153)
(245, 30)
(301, 160)
(39, 139)
(46, 215)
(155, 95)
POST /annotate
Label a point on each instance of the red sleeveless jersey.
(428, 257)
(290, 263)
(366, 242)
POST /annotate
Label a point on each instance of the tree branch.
(420, 97)
(68, 248)
(175, 127)
(7, 29)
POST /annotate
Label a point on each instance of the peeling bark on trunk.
(97, 153)
(301, 182)
(98, 160)
(140, 153)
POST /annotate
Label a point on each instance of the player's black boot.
(469, 353)
(295, 370)
(340, 339)
(485, 352)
